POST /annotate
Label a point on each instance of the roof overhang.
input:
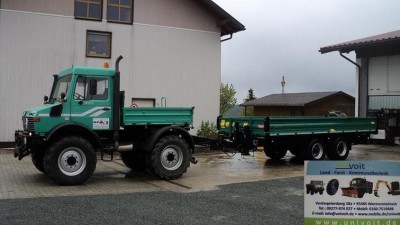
(226, 22)
(369, 42)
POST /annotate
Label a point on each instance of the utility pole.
(283, 82)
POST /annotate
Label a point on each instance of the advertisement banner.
(352, 192)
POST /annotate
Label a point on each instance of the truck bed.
(157, 116)
(306, 125)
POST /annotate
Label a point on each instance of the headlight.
(25, 123)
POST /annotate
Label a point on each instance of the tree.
(208, 130)
(227, 98)
(248, 110)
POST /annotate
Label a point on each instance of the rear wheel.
(316, 150)
(70, 161)
(170, 157)
(135, 160)
(339, 150)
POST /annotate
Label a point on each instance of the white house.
(171, 50)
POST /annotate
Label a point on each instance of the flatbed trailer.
(310, 137)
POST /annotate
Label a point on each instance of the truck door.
(91, 103)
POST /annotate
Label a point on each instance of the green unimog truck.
(85, 114)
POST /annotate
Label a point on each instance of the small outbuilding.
(303, 104)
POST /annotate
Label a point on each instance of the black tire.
(293, 152)
(170, 157)
(321, 192)
(339, 149)
(136, 160)
(316, 150)
(70, 161)
(312, 192)
(395, 186)
(38, 160)
(332, 187)
(308, 191)
(275, 153)
(360, 193)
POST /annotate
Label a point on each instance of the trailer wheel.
(339, 150)
(170, 157)
(70, 161)
(332, 187)
(38, 160)
(135, 160)
(316, 150)
(275, 153)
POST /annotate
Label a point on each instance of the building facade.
(303, 104)
(171, 50)
(378, 79)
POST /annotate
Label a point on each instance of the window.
(61, 88)
(98, 44)
(88, 9)
(120, 11)
(90, 88)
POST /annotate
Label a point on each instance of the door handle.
(106, 108)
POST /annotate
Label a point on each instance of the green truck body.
(85, 115)
(311, 137)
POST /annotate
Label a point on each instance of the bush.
(207, 130)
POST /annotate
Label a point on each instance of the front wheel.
(170, 157)
(70, 161)
(275, 153)
(38, 160)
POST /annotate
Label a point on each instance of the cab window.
(91, 88)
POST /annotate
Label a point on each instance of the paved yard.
(20, 179)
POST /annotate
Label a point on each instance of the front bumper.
(23, 143)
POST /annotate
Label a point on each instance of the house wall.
(337, 103)
(172, 13)
(340, 103)
(159, 61)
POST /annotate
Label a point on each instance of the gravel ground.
(264, 202)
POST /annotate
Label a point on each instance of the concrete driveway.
(20, 179)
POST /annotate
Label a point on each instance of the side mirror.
(62, 95)
(45, 99)
(93, 87)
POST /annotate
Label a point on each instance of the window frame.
(119, 6)
(109, 40)
(88, 3)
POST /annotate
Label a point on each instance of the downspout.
(359, 79)
(229, 38)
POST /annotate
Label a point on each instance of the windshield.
(61, 86)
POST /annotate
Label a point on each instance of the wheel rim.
(317, 151)
(171, 157)
(72, 161)
(341, 148)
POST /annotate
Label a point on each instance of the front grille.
(28, 124)
(31, 125)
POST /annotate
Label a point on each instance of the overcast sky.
(282, 38)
